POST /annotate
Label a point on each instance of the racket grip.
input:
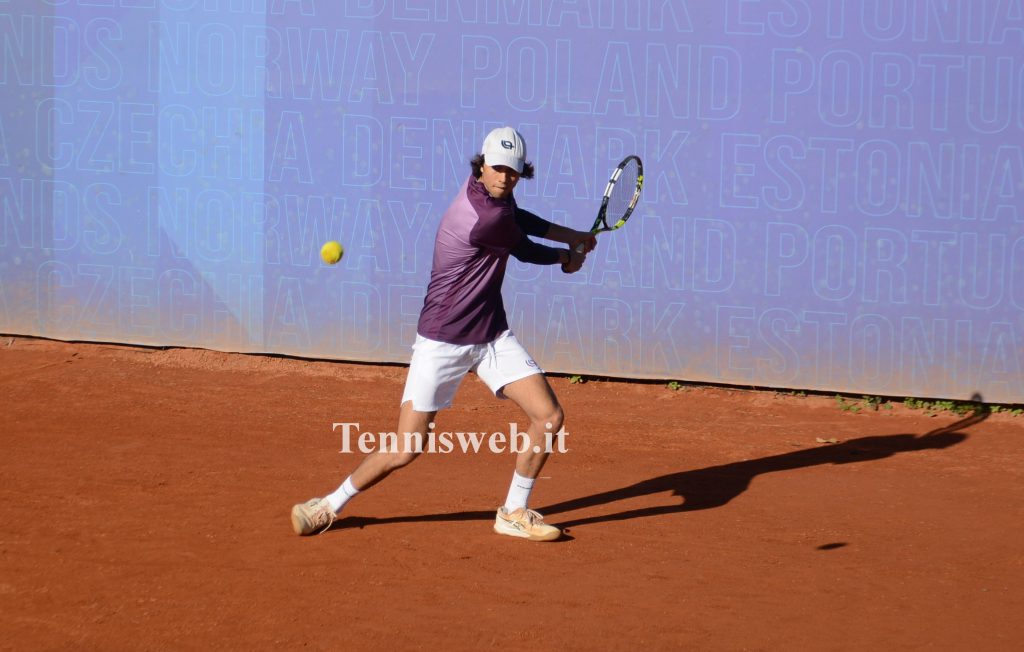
(578, 249)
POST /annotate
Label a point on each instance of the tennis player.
(463, 327)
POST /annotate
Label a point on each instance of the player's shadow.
(715, 486)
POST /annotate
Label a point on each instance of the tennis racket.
(620, 197)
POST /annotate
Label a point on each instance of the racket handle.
(578, 249)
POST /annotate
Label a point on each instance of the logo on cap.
(507, 144)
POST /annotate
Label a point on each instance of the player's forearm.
(535, 253)
(559, 233)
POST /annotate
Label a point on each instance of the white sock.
(342, 494)
(519, 492)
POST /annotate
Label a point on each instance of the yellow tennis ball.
(332, 252)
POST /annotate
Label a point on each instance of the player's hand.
(576, 259)
(585, 238)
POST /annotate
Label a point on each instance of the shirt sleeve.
(496, 232)
(503, 227)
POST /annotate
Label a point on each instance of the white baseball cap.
(504, 146)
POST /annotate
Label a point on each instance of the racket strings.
(622, 192)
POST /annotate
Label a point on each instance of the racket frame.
(601, 223)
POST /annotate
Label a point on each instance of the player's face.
(499, 180)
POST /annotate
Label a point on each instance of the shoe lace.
(327, 517)
(534, 518)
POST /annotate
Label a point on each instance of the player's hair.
(478, 167)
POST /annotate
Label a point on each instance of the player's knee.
(398, 460)
(552, 422)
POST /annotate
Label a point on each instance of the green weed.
(847, 406)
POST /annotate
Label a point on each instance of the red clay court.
(146, 496)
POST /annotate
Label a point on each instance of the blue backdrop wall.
(833, 199)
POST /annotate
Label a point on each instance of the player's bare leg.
(318, 514)
(534, 395)
(377, 466)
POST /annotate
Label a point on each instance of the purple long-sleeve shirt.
(477, 233)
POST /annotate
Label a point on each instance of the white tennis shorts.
(437, 369)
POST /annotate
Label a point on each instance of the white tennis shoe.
(525, 524)
(313, 517)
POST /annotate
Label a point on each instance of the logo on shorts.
(530, 363)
